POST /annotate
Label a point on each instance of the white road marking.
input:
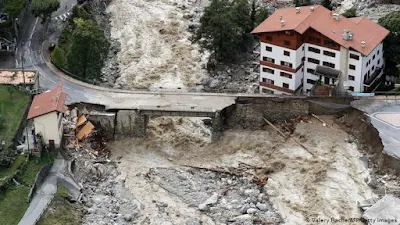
(382, 121)
(386, 135)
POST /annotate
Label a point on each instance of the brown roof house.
(47, 111)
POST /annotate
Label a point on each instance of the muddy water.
(301, 186)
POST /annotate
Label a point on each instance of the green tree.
(58, 57)
(226, 26)
(44, 8)
(13, 7)
(391, 43)
(89, 48)
(11, 90)
(327, 4)
(258, 14)
(299, 3)
(352, 12)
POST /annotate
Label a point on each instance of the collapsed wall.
(368, 139)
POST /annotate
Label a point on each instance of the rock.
(251, 211)
(193, 221)
(242, 218)
(193, 26)
(262, 207)
(214, 83)
(128, 217)
(187, 16)
(210, 201)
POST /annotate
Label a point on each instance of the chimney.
(311, 9)
(297, 9)
(282, 23)
(336, 16)
(363, 43)
(347, 35)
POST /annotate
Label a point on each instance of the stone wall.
(130, 122)
(249, 112)
(40, 177)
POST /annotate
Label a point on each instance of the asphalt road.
(29, 55)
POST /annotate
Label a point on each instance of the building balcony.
(327, 83)
(374, 80)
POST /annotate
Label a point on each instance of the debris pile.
(103, 194)
(232, 195)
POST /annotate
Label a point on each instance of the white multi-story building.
(304, 46)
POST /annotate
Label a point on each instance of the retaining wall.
(40, 177)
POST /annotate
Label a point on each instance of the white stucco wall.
(277, 54)
(48, 126)
(321, 57)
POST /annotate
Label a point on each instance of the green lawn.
(14, 202)
(63, 212)
(12, 109)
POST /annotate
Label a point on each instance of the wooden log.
(316, 117)
(280, 132)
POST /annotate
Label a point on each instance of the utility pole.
(23, 72)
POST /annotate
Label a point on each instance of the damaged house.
(47, 111)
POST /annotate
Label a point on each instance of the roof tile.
(321, 19)
(47, 102)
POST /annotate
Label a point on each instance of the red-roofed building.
(46, 112)
(303, 45)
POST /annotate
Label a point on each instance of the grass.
(12, 109)
(4, 173)
(61, 211)
(14, 202)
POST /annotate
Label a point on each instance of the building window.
(309, 81)
(268, 70)
(316, 50)
(314, 39)
(373, 57)
(351, 88)
(283, 74)
(367, 63)
(379, 61)
(268, 59)
(328, 64)
(352, 67)
(310, 71)
(354, 56)
(268, 38)
(311, 60)
(330, 43)
(328, 53)
(268, 81)
(285, 42)
(373, 68)
(377, 52)
(286, 53)
(285, 85)
(283, 63)
(268, 48)
(351, 77)
(302, 48)
(287, 32)
(303, 59)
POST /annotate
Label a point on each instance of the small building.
(302, 46)
(47, 111)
